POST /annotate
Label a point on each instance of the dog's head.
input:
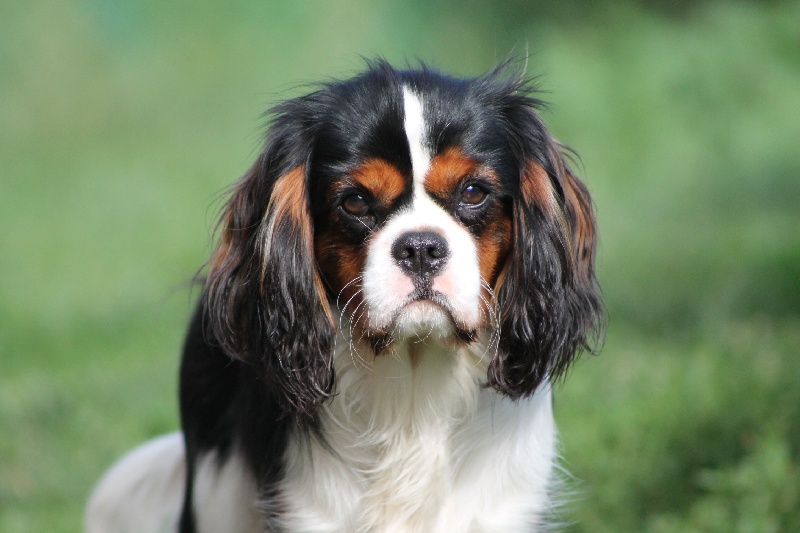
(410, 204)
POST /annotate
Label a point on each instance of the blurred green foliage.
(121, 122)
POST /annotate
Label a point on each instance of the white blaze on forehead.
(387, 287)
(414, 124)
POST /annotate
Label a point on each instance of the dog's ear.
(264, 299)
(549, 300)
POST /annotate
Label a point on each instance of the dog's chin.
(423, 320)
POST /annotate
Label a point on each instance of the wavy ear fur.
(550, 303)
(264, 302)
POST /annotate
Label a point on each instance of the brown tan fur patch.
(288, 203)
(537, 189)
(493, 248)
(342, 265)
(447, 170)
(381, 179)
(582, 223)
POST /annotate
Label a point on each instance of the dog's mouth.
(424, 315)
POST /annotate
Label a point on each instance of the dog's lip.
(382, 337)
(438, 301)
(419, 302)
(422, 299)
(429, 297)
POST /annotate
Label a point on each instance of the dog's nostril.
(436, 252)
(420, 252)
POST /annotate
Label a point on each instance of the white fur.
(414, 442)
(142, 492)
(414, 125)
(225, 497)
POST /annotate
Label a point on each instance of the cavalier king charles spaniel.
(400, 277)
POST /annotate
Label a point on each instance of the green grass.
(687, 435)
(121, 123)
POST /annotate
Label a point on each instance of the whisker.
(489, 311)
(354, 280)
(423, 339)
(354, 352)
(370, 231)
(491, 307)
(344, 309)
(363, 307)
(355, 317)
(493, 299)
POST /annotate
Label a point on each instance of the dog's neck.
(393, 417)
(414, 384)
(408, 441)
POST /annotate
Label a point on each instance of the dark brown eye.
(356, 205)
(472, 195)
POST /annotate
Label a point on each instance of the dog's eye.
(356, 205)
(472, 195)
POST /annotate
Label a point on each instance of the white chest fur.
(414, 442)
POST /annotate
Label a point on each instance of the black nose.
(420, 253)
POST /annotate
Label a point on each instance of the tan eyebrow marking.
(449, 169)
(381, 179)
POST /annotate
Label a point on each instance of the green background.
(122, 122)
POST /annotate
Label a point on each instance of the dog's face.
(411, 246)
(412, 205)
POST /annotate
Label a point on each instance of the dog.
(400, 277)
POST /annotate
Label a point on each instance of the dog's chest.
(485, 470)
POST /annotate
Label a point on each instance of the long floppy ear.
(551, 307)
(264, 300)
